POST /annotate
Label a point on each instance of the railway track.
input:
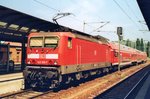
(26, 94)
(91, 89)
(85, 90)
(126, 89)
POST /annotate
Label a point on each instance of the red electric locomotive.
(56, 57)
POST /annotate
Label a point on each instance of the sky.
(95, 13)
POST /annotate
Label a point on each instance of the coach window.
(69, 42)
(116, 54)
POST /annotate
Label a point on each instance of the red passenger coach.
(125, 54)
(128, 55)
(61, 57)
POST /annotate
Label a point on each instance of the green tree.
(134, 44)
(138, 44)
(142, 45)
(148, 49)
(128, 43)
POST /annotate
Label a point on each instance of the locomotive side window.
(36, 41)
(69, 42)
(51, 42)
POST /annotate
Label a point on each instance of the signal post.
(120, 37)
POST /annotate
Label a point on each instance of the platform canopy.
(16, 26)
(145, 9)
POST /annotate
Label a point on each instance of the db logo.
(42, 55)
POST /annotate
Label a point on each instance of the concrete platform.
(11, 82)
(17, 68)
(144, 91)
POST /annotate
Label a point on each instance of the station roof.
(145, 9)
(16, 26)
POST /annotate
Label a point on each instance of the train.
(6, 64)
(56, 58)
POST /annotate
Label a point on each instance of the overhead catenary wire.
(136, 17)
(59, 11)
(119, 7)
(81, 21)
(46, 5)
(74, 2)
(100, 27)
(130, 8)
(134, 14)
(125, 13)
(76, 19)
(84, 8)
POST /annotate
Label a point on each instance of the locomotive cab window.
(69, 42)
(51, 42)
(36, 41)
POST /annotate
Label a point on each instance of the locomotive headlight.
(55, 62)
(46, 51)
(28, 62)
(36, 51)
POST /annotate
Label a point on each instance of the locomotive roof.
(74, 34)
(93, 38)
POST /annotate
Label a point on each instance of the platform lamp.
(120, 37)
